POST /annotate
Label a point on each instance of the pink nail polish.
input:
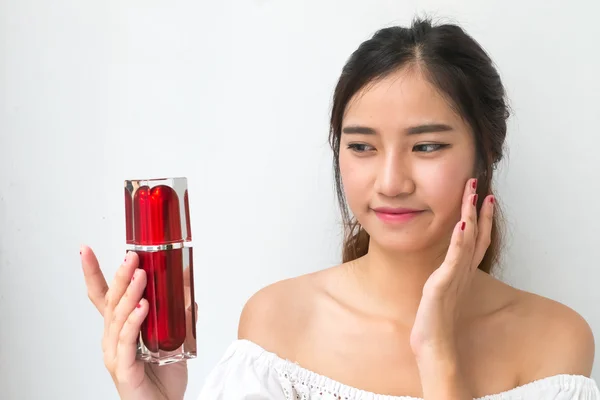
(462, 226)
(474, 184)
(492, 200)
(138, 305)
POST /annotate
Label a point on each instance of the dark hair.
(462, 71)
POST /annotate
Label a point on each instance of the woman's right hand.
(124, 310)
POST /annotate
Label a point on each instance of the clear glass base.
(163, 357)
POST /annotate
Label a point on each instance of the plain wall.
(236, 95)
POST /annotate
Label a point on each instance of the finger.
(484, 238)
(128, 337)
(131, 298)
(452, 265)
(469, 235)
(191, 319)
(94, 278)
(119, 285)
(187, 276)
(188, 285)
(469, 208)
(191, 314)
(470, 217)
(456, 250)
(469, 190)
(463, 235)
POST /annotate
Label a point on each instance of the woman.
(417, 127)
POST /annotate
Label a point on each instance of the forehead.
(402, 99)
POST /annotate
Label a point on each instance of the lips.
(395, 211)
(394, 216)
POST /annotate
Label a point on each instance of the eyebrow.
(413, 130)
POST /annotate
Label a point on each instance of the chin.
(391, 244)
(417, 236)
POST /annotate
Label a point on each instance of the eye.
(429, 147)
(359, 147)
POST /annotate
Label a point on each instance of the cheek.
(442, 185)
(355, 179)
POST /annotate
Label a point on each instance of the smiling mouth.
(390, 215)
(395, 210)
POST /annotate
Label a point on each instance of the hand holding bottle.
(124, 310)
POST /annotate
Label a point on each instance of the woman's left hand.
(433, 336)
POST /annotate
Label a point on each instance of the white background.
(235, 95)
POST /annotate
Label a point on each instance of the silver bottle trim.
(158, 247)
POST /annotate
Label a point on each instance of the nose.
(394, 177)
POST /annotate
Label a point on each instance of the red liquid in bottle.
(157, 221)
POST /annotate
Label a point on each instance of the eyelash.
(437, 146)
(355, 147)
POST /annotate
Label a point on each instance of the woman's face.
(403, 146)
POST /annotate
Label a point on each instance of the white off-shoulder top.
(249, 372)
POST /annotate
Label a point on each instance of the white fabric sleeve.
(242, 376)
(248, 372)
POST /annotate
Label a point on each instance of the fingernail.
(474, 184)
(492, 200)
(475, 200)
(138, 305)
(462, 226)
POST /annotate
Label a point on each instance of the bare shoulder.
(276, 314)
(556, 338)
(543, 337)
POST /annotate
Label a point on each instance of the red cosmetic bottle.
(157, 220)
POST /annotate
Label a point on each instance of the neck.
(393, 283)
